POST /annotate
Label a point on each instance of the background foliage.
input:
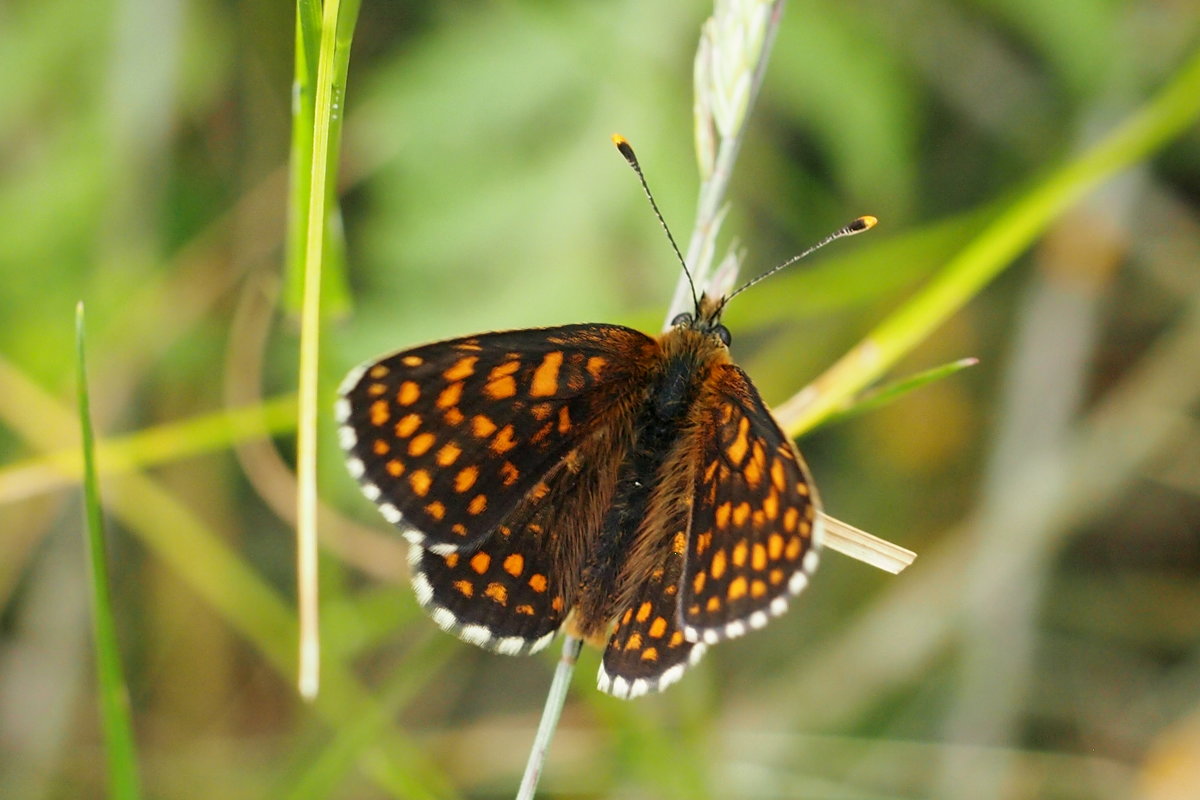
(1046, 643)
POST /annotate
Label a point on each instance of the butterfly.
(633, 488)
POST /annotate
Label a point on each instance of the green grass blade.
(172, 441)
(121, 752)
(328, 112)
(334, 287)
(1165, 116)
(880, 397)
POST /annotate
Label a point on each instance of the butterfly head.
(706, 319)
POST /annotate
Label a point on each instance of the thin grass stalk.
(556, 698)
(721, 109)
(116, 718)
(310, 331)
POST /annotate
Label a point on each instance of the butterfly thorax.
(634, 533)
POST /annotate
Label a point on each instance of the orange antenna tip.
(626, 149)
(864, 223)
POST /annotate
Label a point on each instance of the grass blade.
(115, 716)
(884, 395)
(1165, 116)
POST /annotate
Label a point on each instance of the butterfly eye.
(682, 319)
(722, 333)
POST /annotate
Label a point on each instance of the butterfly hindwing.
(647, 650)
(756, 527)
(449, 438)
(511, 592)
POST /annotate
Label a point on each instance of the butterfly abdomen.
(638, 506)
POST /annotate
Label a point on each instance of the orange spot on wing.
(737, 450)
(381, 447)
(564, 420)
(703, 542)
(463, 368)
(498, 592)
(448, 454)
(407, 425)
(557, 604)
(658, 627)
(634, 642)
(421, 444)
(466, 478)
(698, 582)
(718, 564)
(524, 609)
(737, 588)
(793, 548)
(713, 603)
(453, 416)
(514, 565)
(480, 562)
(537, 582)
(758, 559)
(740, 551)
(757, 589)
(465, 588)
(545, 377)
(676, 639)
(477, 505)
(451, 560)
(643, 612)
(410, 361)
(596, 365)
(741, 514)
(778, 479)
(504, 370)
(501, 388)
(395, 468)
(380, 413)
(752, 472)
(775, 546)
(504, 441)
(509, 474)
(771, 506)
(789, 519)
(722, 516)
(679, 545)
(482, 426)
(436, 510)
(450, 396)
(408, 394)
(650, 654)
(420, 482)
(378, 371)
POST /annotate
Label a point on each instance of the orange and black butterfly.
(634, 487)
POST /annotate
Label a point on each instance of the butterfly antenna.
(626, 150)
(857, 226)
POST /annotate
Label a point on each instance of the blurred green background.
(1045, 644)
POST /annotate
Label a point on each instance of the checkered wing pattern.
(448, 439)
(512, 592)
(756, 528)
(647, 650)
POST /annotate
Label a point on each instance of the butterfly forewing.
(755, 529)
(449, 438)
